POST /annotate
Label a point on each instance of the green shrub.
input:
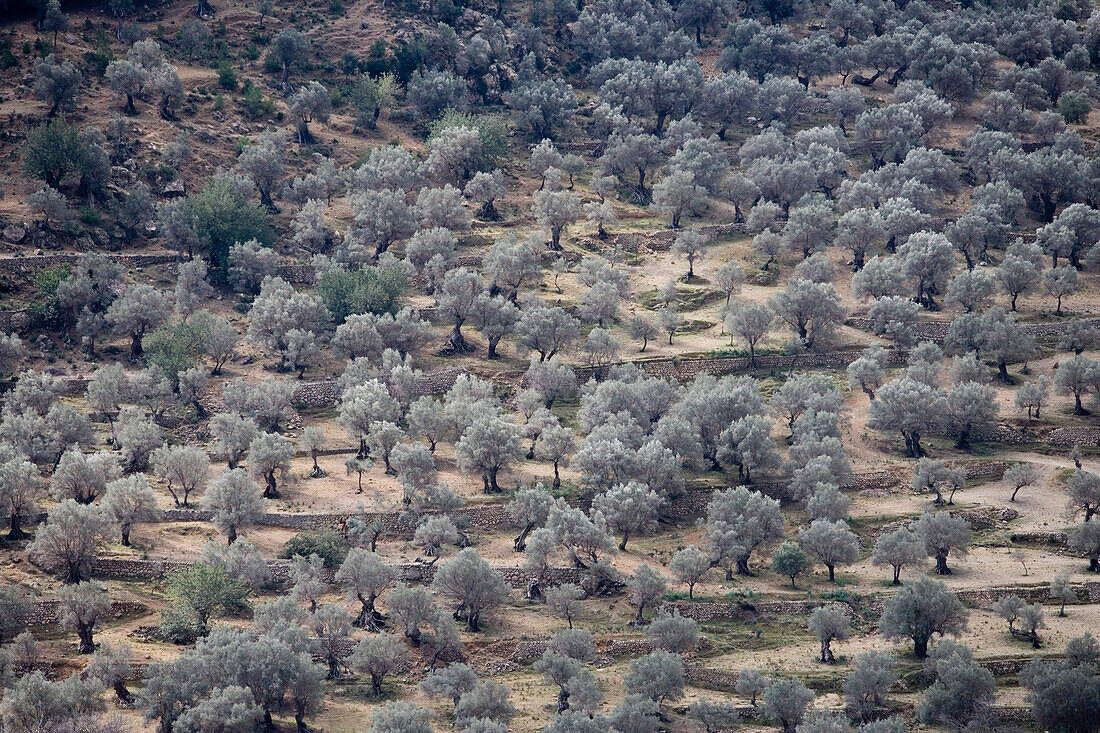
(272, 65)
(328, 544)
(196, 594)
(1075, 107)
(90, 217)
(225, 217)
(369, 290)
(256, 106)
(492, 130)
(7, 58)
(43, 310)
(227, 77)
(176, 347)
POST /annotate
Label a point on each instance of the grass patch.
(689, 299)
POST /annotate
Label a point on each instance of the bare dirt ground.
(777, 645)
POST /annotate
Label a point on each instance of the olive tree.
(378, 656)
(921, 609)
(472, 584)
(268, 454)
(140, 309)
(812, 310)
(962, 692)
(866, 687)
(1015, 611)
(658, 676)
(689, 565)
(629, 508)
(829, 624)
(831, 542)
(82, 605)
(488, 445)
(128, 501)
(235, 501)
(310, 102)
(68, 541)
(740, 521)
(365, 576)
(785, 703)
(897, 549)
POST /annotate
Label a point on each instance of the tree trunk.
(136, 350)
(271, 491)
(622, 545)
(557, 478)
(232, 534)
(832, 577)
(827, 653)
(941, 565)
(563, 700)
(84, 632)
(457, 341)
(15, 523)
(493, 487)
(963, 441)
(125, 535)
(920, 647)
(897, 574)
(125, 697)
(520, 543)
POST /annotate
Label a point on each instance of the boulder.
(14, 234)
(174, 189)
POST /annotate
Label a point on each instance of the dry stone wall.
(937, 330)
(315, 395)
(34, 263)
(1026, 435)
(49, 611)
(134, 569)
(975, 598)
(662, 239)
(686, 369)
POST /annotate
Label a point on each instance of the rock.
(122, 172)
(174, 189)
(14, 234)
